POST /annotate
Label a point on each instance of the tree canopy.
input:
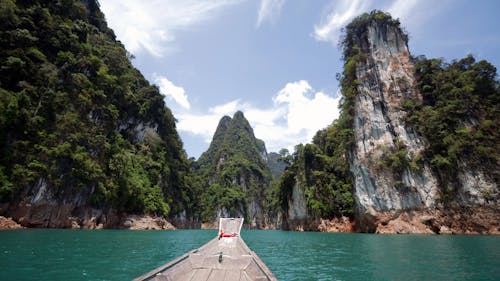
(75, 114)
(459, 114)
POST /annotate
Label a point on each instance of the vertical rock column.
(385, 82)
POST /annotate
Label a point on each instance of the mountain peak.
(236, 164)
(239, 115)
(223, 124)
(374, 30)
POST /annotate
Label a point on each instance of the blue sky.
(276, 60)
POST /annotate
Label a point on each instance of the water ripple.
(122, 255)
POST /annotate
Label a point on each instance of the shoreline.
(7, 224)
(477, 220)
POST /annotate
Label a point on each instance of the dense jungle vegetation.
(74, 114)
(458, 116)
(233, 170)
(79, 119)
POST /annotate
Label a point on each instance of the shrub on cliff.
(458, 114)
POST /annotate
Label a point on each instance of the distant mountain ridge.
(276, 164)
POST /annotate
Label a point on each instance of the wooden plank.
(201, 274)
(153, 272)
(161, 277)
(217, 275)
(232, 275)
(196, 260)
(180, 276)
(226, 258)
(244, 277)
(211, 261)
(182, 271)
(255, 272)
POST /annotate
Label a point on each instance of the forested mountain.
(276, 163)
(416, 146)
(82, 133)
(85, 139)
(236, 175)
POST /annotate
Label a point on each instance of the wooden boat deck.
(226, 258)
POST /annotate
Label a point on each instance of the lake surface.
(35, 254)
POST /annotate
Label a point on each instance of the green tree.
(457, 113)
(75, 114)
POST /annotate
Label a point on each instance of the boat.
(224, 258)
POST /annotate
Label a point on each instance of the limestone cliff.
(414, 149)
(315, 189)
(386, 159)
(385, 82)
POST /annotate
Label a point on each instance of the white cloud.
(171, 91)
(307, 112)
(225, 109)
(151, 25)
(269, 10)
(298, 112)
(203, 125)
(338, 14)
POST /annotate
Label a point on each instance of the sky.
(276, 60)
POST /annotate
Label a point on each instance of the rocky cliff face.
(314, 190)
(386, 160)
(385, 82)
(84, 138)
(380, 163)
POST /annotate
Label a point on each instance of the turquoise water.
(122, 255)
